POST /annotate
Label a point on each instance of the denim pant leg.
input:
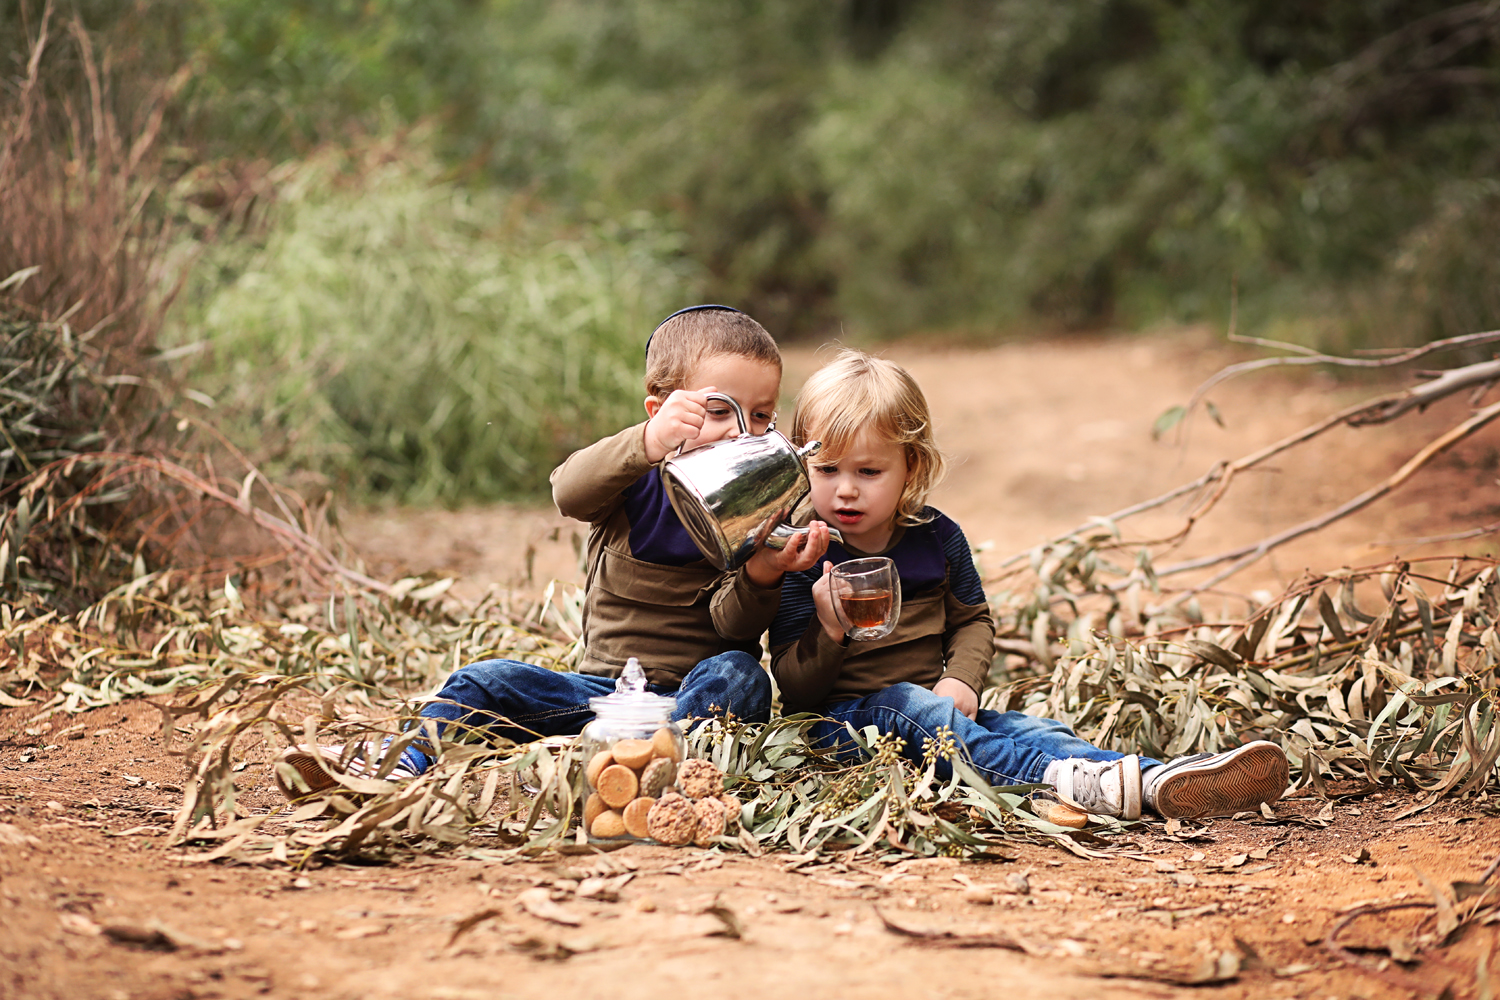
(730, 683)
(1055, 738)
(1006, 748)
(519, 701)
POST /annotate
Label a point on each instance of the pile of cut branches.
(1403, 694)
(1406, 693)
(1096, 634)
(95, 449)
(220, 674)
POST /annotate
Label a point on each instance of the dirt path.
(94, 905)
(1044, 435)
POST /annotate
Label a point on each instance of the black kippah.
(679, 313)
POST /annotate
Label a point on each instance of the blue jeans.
(1005, 747)
(522, 701)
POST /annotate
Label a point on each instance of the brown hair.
(685, 339)
(857, 390)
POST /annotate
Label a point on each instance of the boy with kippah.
(650, 593)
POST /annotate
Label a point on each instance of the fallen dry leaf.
(538, 902)
(77, 923)
(943, 938)
(470, 922)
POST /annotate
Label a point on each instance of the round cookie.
(664, 744)
(592, 807)
(597, 763)
(635, 817)
(617, 785)
(710, 813)
(634, 754)
(699, 779)
(608, 824)
(658, 777)
(672, 820)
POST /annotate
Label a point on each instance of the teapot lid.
(631, 698)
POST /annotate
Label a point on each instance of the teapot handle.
(739, 414)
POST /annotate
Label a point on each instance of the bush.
(880, 166)
(401, 335)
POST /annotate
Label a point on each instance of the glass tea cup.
(866, 597)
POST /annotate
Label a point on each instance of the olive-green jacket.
(668, 614)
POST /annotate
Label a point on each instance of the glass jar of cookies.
(631, 751)
(639, 783)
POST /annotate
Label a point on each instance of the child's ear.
(653, 404)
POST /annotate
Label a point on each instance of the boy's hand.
(964, 698)
(675, 422)
(802, 551)
(822, 593)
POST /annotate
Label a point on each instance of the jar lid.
(632, 698)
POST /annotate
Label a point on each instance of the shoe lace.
(1087, 788)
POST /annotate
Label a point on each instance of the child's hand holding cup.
(866, 597)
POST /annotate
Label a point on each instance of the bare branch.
(1380, 410)
(1248, 554)
(1315, 358)
(1445, 384)
(1457, 536)
(1220, 473)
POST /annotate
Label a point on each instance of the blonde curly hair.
(857, 390)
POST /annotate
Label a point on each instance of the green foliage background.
(872, 167)
(899, 165)
(400, 335)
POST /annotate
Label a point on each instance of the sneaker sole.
(306, 765)
(1241, 781)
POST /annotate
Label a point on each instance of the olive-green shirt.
(668, 616)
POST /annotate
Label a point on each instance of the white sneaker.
(1217, 784)
(1101, 787)
(361, 762)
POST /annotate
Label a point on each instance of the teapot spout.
(783, 533)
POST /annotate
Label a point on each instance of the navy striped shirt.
(926, 555)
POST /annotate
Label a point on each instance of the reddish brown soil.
(1043, 435)
(82, 849)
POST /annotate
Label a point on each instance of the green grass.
(393, 334)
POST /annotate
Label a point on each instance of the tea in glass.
(867, 597)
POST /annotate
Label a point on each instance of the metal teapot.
(735, 495)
